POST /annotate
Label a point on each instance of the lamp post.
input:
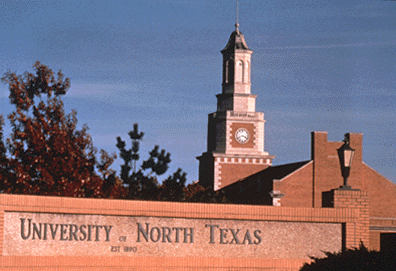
(345, 154)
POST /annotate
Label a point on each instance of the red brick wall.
(382, 197)
(381, 192)
(375, 241)
(232, 172)
(356, 200)
(327, 175)
(18, 203)
(326, 165)
(327, 171)
(297, 188)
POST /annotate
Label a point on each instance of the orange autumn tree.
(46, 154)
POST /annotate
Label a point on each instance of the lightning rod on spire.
(237, 14)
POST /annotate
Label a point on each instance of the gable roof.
(257, 187)
(273, 173)
(279, 172)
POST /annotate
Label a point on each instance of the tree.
(142, 182)
(132, 155)
(46, 153)
(173, 188)
(4, 162)
(353, 259)
(197, 193)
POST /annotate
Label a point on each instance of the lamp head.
(345, 154)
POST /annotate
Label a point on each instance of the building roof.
(236, 41)
(278, 172)
(256, 188)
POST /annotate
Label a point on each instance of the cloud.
(89, 89)
(362, 44)
(123, 95)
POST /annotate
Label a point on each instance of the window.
(388, 243)
(226, 68)
(239, 72)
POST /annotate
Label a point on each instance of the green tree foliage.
(158, 162)
(359, 259)
(142, 182)
(198, 193)
(173, 188)
(130, 156)
(46, 154)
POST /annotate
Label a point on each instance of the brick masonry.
(356, 200)
(196, 211)
(230, 172)
(306, 186)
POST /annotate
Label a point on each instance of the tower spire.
(235, 148)
(237, 15)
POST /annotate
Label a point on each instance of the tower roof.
(236, 41)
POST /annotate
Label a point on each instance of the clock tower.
(235, 144)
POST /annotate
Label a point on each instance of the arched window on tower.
(239, 71)
(247, 72)
(226, 71)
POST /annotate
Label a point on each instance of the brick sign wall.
(54, 233)
(43, 234)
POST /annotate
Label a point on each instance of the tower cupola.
(235, 146)
(236, 64)
(236, 41)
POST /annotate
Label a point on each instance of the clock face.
(242, 135)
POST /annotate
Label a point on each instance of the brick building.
(308, 184)
(235, 160)
(59, 233)
(235, 146)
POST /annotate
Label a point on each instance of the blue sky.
(316, 66)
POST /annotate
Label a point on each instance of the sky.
(316, 66)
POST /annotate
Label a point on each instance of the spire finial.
(237, 14)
